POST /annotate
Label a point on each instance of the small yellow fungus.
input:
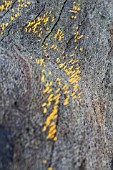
(50, 135)
(72, 55)
(50, 97)
(52, 124)
(79, 37)
(75, 47)
(45, 110)
(46, 90)
(31, 57)
(66, 100)
(49, 103)
(73, 17)
(42, 78)
(55, 138)
(81, 49)
(74, 97)
(12, 10)
(52, 128)
(44, 104)
(28, 3)
(1, 8)
(66, 92)
(11, 18)
(49, 91)
(44, 161)
(65, 87)
(58, 79)
(3, 27)
(16, 15)
(57, 60)
(76, 8)
(44, 129)
(50, 168)
(25, 29)
(6, 24)
(47, 28)
(58, 90)
(52, 19)
(75, 87)
(50, 84)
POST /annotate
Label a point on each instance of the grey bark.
(84, 131)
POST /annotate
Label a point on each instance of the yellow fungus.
(72, 55)
(1, 8)
(44, 129)
(49, 103)
(79, 37)
(16, 15)
(31, 57)
(81, 49)
(42, 78)
(65, 87)
(3, 27)
(51, 95)
(58, 90)
(12, 10)
(57, 60)
(51, 83)
(47, 28)
(44, 161)
(73, 17)
(28, 3)
(55, 138)
(46, 90)
(75, 87)
(66, 92)
(75, 47)
(50, 168)
(11, 18)
(53, 123)
(45, 110)
(52, 19)
(6, 24)
(44, 104)
(49, 91)
(51, 134)
(74, 97)
(52, 128)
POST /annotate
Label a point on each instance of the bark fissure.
(55, 23)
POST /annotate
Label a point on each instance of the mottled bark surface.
(84, 128)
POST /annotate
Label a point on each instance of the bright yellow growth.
(59, 35)
(50, 168)
(44, 161)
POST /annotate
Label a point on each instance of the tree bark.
(65, 32)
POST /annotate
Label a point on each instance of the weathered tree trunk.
(68, 38)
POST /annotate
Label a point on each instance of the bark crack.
(55, 23)
(37, 15)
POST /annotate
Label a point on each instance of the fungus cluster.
(15, 12)
(36, 25)
(68, 64)
(71, 69)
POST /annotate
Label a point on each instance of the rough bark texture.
(84, 129)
